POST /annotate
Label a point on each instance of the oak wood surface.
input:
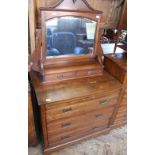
(74, 88)
(32, 135)
(110, 8)
(72, 110)
(48, 150)
(66, 124)
(117, 66)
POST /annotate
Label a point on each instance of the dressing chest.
(78, 99)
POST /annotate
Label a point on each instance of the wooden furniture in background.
(122, 25)
(116, 65)
(110, 8)
(32, 135)
(32, 25)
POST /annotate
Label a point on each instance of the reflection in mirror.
(70, 36)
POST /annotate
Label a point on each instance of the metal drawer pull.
(98, 115)
(60, 76)
(65, 137)
(103, 102)
(125, 116)
(90, 72)
(95, 128)
(67, 109)
(65, 124)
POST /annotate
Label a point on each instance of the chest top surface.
(73, 88)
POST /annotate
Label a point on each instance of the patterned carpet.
(115, 143)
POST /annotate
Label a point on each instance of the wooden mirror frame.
(49, 13)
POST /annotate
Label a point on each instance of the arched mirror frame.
(49, 14)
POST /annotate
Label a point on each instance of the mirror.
(70, 36)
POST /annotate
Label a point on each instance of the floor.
(114, 143)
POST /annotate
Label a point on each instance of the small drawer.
(89, 72)
(94, 72)
(60, 77)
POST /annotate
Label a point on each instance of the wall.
(109, 7)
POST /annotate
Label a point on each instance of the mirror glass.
(67, 36)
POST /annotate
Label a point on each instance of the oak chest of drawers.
(75, 110)
(77, 98)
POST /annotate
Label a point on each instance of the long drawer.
(74, 134)
(74, 123)
(69, 109)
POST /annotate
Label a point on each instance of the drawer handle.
(102, 102)
(65, 124)
(89, 72)
(98, 115)
(95, 128)
(65, 137)
(60, 76)
(67, 109)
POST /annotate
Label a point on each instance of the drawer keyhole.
(98, 115)
(95, 128)
(60, 76)
(103, 102)
(65, 137)
(65, 124)
(67, 109)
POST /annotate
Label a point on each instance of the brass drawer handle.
(98, 115)
(60, 76)
(95, 128)
(67, 109)
(65, 137)
(102, 102)
(65, 124)
(89, 72)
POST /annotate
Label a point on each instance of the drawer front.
(124, 101)
(59, 77)
(121, 120)
(63, 111)
(74, 134)
(121, 116)
(71, 75)
(75, 123)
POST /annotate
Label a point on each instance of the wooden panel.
(122, 24)
(32, 136)
(32, 24)
(67, 124)
(110, 9)
(116, 65)
(65, 137)
(66, 110)
(76, 88)
(71, 75)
